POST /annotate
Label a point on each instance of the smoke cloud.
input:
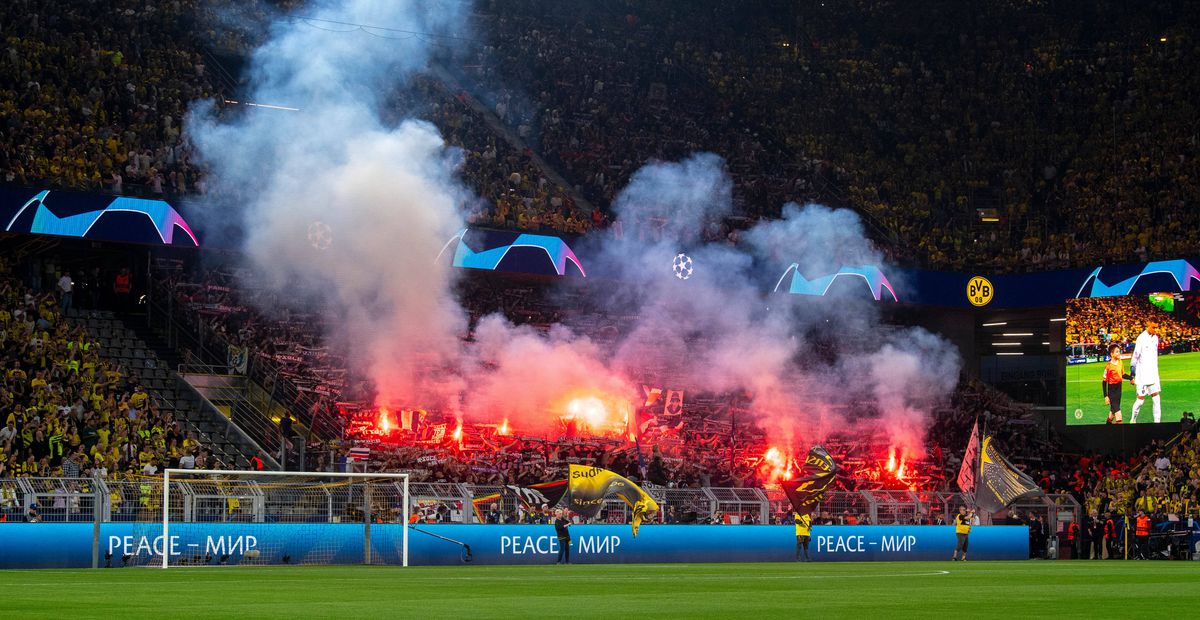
(386, 197)
(811, 366)
(390, 197)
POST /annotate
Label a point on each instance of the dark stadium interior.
(1006, 138)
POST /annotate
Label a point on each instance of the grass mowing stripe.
(884, 589)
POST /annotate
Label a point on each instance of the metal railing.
(250, 416)
(256, 435)
(87, 499)
(203, 348)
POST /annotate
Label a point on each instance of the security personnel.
(803, 535)
(1110, 536)
(1142, 533)
(1073, 539)
(962, 529)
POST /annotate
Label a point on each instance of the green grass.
(1180, 375)
(1062, 589)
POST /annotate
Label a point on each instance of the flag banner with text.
(1000, 482)
(808, 489)
(590, 486)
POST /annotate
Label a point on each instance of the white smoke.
(816, 366)
(388, 195)
(391, 198)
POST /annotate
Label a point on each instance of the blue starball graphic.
(872, 275)
(164, 217)
(1182, 271)
(557, 252)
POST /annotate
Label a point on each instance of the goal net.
(224, 518)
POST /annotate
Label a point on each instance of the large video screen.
(1096, 325)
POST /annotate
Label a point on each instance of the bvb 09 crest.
(980, 291)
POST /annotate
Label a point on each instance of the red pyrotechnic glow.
(596, 414)
(898, 470)
(775, 465)
(503, 430)
(385, 423)
(457, 436)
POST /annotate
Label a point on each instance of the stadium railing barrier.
(88, 499)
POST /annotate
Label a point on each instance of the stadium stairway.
(245, 403)
(147, 360)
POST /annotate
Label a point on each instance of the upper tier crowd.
(1090, 159)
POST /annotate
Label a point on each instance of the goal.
(227, 518)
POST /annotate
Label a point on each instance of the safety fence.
(246, 500)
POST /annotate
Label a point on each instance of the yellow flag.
(590, 486)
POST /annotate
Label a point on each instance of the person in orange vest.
(1110, 536)
(122, 287)
(1073, 540)
(257, 463)
(1142, 536)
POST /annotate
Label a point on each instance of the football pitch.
(1062, 589)
(1180, 375)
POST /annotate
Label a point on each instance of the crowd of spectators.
(66, 410)
(93, 95)
(599, 93)
(1119, 320)
(515, 191)
(843, 104)
(1159, 486)
(1089, 159)
(702, 448)
(699, 447)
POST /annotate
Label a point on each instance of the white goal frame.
(198, 473)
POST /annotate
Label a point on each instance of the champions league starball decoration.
(682, 266)
(320, 235)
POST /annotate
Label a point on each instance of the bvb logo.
(980, 291)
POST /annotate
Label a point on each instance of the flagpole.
(979, 463)
(732, 432)
(637, 442)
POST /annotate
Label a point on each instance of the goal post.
(238, 517)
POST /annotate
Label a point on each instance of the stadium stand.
(83, 396)
(1090, 161)
(799, 112)
(1092, 123)
(94, 95)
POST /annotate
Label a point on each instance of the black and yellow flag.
(590, 486)
(808, 489)
(1000, 483)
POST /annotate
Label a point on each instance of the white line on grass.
(404, 578)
